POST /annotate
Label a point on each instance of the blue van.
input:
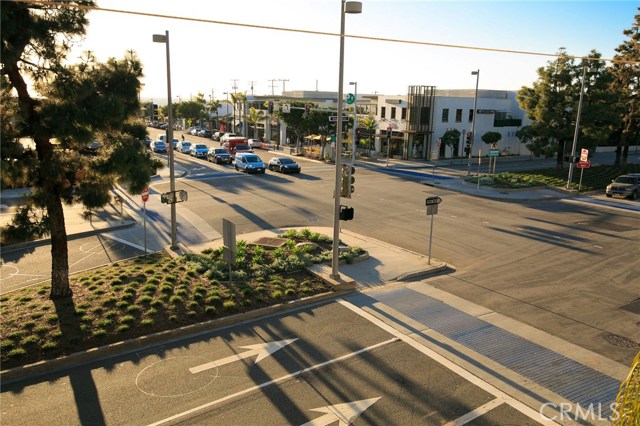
(249, 163)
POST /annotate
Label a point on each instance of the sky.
(213, 57)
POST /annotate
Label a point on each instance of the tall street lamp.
(577, 129)
(345, 7)
(473, 120)
(355, 120)
(226, 110)
(159, 38)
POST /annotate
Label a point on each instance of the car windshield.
(625, 179)
(220, 151)
(185, 144)
(242, 148)
(253, 159)
(286, 161)
(199, 146)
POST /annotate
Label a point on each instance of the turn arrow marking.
(262, 350)
(342, 413)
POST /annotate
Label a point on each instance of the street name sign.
(335, 118)
(494, 153)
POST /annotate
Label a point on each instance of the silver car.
(625, 186)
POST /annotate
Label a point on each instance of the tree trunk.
(59, 249)
(560, 157)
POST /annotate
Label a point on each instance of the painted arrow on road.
(262, 350)
(345, 414)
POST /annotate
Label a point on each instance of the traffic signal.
(346, 213)
(467, 149)
(270, 109)
(307, 110)
(347, 181)
(469, 138)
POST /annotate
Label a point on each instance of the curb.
(45, 241)
(125, 347)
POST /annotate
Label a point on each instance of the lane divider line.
(467, 375)
(271, 382)
(472, 415)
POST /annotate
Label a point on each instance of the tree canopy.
(71, 105)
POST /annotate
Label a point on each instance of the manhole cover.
(619, 341)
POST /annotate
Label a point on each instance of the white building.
(418, 120)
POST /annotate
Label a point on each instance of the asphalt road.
(335, 363)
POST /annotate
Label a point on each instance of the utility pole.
(235, 85)
(251, 83)
(273, 80)
(283, 83)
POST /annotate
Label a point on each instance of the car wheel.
(609, 195)
(236, 166)
(634, 195)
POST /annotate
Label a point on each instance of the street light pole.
(345, 7)
(159, 38)
(355, 121)
(473, 120)
(577, 129)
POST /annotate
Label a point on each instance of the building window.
(383, 112)
(470, 115)
(458, 116)
(445, 115)
(393, 112)
(404, 114)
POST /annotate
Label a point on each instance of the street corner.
(436, 267)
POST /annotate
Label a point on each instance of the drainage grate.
(619, 341)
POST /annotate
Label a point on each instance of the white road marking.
(262, 350)
(472, 415)
(524, 409)
(344, 413)
(120, 240)
(272, 382)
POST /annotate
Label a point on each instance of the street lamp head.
(159, 38)
(353, 7)
(351, 83)
(475, 72)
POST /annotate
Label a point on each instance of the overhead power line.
(324, 33)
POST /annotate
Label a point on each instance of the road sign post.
(583, 164)
(432, 210)
(145, 198)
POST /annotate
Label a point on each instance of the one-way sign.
(433, 201)
(335, 118)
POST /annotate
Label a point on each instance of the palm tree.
(237, 99)
(370, 124)
(213, 106)
(255, 116)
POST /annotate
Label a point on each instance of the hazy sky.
(207, 57)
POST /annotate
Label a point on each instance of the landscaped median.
(593, 179)
(151, 294)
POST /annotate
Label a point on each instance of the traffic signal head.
(347, 181)
(307, 109)
(469, 138)
(270, 107)
(346, 213)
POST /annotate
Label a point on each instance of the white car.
(184, 147)
(254, 143)
(226, 136)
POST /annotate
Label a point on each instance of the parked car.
(284, 165)
(193, 131)
(254, 143)
(184, 147)
(219, 156)
(199, 150)
(175, 143)
(226, 136)
(158, 146)
(162, 138)
(147, 142)
(204, 133)
(249, 163)
(625, 186)
(241, 149)
(217, 135)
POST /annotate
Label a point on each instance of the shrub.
(30, 340)
(230, 306)
(104, 323)
(99, 333)
(6, 345)
(193, 305)
(210, 310)
(134, 309)
(111, 314)
(123, 328)
(157, 303)
(49, 346)
(122, 304)
(16, 353)
(28, 325)
(53, 318)
(151, 312)
(176, 300)
(127, 319)
(146, 299)
(147, 322)
(41, 330)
